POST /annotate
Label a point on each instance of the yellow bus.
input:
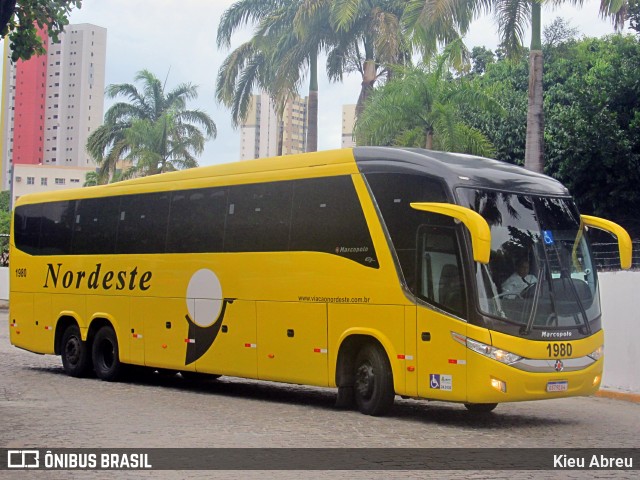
(378, 271)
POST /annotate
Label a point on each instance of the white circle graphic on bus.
(204, 297)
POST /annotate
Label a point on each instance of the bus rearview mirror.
(475, 223)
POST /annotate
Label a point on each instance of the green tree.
(275, 59)
(506, 80)
(591, 136)
(420, 107)
(376, 35)
(481, 57)
(593, 128)
(370, 39)
(5, 226)
(634, 15)
(19, 19)
(153, 132)
(513, 17)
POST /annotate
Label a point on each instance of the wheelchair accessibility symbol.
(547, 236)
(440, 382)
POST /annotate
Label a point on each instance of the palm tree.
(273, 60)
(419, 107)
(369, 38)
(513, 18)
(154, 131)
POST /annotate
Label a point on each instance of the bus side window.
(95, 226)
(328, 217)
(441, 281)
(27, 221)
(258, 217)
(57, 227)
(142, 226)
(196, 220)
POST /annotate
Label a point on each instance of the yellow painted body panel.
(292, 342)
(439, 377)
(235, 351)
(523, 385)
(385, 323)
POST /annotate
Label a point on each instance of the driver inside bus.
(520, 279)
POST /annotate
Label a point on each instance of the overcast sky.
(178, 36)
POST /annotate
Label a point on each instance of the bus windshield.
(540, 274)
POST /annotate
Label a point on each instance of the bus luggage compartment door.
(292, 342)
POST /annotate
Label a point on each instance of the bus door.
(442, 307)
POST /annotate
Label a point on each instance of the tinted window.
(196, 221)
(94, 230)
(258, 217)
(142, 226)
(57, 227)
(394, 193)
(27, 227)
(328, 217)
(440, 280)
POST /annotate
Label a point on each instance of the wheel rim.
(365, 381)
(72, 350)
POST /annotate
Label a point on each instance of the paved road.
(41, 407)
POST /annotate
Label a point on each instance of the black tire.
(373, 383)
(480, 407)
(76, 359)
(105, 354)
(345, 399)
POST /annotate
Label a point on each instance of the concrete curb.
(617, 395)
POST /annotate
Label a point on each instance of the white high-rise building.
(75, 94)
(348, 121)
(262, 132)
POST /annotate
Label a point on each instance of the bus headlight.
(597, 353)
(501, 356)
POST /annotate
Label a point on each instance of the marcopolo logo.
(351, 250)
(58, 276)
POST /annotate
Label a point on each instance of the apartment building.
(263, 134)
(51, 103)
(348, 121)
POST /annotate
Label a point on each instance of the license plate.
(562, 386)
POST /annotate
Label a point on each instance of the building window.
(60, 181)
(43, 181)
(31, 180)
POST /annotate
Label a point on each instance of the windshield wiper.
(526, 330)
(576, 295)
(565, 276)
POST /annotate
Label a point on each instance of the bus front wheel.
(480, 407)
(76, 359)
(373, 386)
(105, 354)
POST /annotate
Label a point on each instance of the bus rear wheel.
(105, 354)
(373, 386)
(76, 359)
(480, 407)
